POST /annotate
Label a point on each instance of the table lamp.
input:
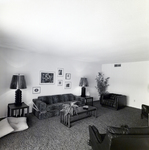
(83, 83)
(18, 82)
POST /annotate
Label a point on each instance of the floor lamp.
(18, 82)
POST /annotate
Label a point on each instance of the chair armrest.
(94, 134)
(145, 108)
(39, 105)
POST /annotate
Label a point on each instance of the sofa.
(50, 105)
(119, 138)
(113, 100)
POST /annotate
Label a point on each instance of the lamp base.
(83, 91)
(18, 97)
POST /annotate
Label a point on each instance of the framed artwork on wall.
(68, 76)
(36, 90)
(67, 85)
(60, 72)
(60, 82)
(47, 77)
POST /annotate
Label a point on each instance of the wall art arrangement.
(67, 76)
(67, 85)
(47, 77)
(60, 82)
(60, 72)
(36, 90)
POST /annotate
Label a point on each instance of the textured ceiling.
(106, 31)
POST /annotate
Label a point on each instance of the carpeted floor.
(50, 134)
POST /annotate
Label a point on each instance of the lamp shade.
(83, 82)
(18, 82)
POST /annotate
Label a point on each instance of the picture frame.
(36, 90)
(60, 82)
(60, 72)
(47, 77)
(68, 85)
(68, 76)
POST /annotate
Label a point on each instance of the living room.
(24, 51)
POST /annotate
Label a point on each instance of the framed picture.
(36, 90)
(60, 82)
(47, 77)
(68, 85)
(67, 76)
(60, 72)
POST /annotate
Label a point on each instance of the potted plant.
(102, 83)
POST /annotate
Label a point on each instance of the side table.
(17, 111)
(87, 98)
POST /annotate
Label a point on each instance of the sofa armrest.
(121, 100)
(40, 105)
(80, 99)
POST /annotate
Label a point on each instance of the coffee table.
(81, 114)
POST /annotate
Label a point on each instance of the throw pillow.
(5, 128)
(18, 124)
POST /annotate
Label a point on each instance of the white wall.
(131, 79)
(30, 64)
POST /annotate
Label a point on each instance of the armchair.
(113, 100)
(145, 112)
(123, 138)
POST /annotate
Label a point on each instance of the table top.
(82, 110)
(88, 97)
(13, 106)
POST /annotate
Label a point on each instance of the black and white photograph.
(67, 85)
(36, 90)
(74, 74)
(60, 82)
(47, 77)
(67, 76)
(60, 72)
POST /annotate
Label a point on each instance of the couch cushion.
(55, 99)
(66, 97)
(61, 98)
(57, 106)
(117, 130)
(46, 99)
(112, 96)
(71, 97)
(49, 100)
(106, 95)
(43, 98)
(127, 130)
(139, 130)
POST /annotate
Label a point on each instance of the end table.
(89, 98)
(17, 111)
